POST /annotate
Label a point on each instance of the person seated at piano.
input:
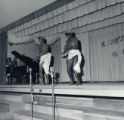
(45, 60)
(15, 62)
(8, 70)
(14, 71)
(11, 64)
(8, 62)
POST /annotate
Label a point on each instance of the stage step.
(61, 112)
(100, 103)
(6, 116)
(96, 116)
(11, 97)
(65, 114)
(12, 106)
(27, 115)
(77, 103)
(4, 107)
(76, 112)
(47, 100)
(77, 108)
(109, 104)
(88, 112)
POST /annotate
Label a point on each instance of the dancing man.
(45, 60)
(73, 55)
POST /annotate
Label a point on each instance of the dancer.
(45, 60)
(73, 55)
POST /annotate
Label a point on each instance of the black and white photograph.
(61, 59)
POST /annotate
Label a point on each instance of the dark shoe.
(78, 83)
(41, 82)
(72, 83)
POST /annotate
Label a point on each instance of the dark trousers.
(71, 73)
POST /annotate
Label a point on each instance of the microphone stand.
(53, 96)
(31, 92)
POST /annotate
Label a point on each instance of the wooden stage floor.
(86, 89)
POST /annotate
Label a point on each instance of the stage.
(86, 89)
(71, 102)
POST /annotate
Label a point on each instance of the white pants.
(72, 53)
(45, 61)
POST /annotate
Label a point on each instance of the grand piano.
(22, 72)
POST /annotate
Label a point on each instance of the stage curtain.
(117, 10)
(13, 39)
(3, 54)
(56, 52)
(106, 52)
(101, 4)
(110, 2)
(84, 39)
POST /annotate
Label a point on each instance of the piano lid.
(27, 60)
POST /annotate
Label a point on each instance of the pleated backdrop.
(107, 54)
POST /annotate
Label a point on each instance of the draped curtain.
(3, 55)
(107, 53)
(56, 52)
